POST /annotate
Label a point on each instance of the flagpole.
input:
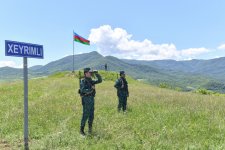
(73, 51)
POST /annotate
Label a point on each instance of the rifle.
(79, 78)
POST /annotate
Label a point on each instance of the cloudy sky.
(143, 29)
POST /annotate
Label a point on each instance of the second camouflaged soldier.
(87, 93)
(122, 91)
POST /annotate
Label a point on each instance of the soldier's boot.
(124, 108)
(89, 128)
(82, 131)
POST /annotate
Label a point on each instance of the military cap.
(87, 70)
(122, 72)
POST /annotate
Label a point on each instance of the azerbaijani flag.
(80, 39)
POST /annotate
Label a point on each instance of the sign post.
(19, 49)
(25, 80)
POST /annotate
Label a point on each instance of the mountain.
(207, 74)
(8, 73)
(95, 61)
(65, 64)
(214, 68)
(12, 74)
(35, 67)
(184, 75)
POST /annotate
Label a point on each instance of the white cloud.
(221, 47)
(193, 51)
(118, 42)
(10, 64)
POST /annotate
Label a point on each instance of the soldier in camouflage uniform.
(122, 91)
(87, 92)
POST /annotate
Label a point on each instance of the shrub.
(204, 91)
(164, 85)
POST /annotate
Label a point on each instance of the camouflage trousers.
(122, 102)
(88, 110)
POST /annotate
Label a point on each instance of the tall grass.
(156, 119)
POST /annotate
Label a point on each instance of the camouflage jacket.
(86, 85)
(122, 87)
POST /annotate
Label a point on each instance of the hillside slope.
(156, 119)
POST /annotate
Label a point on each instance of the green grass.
(157, 118)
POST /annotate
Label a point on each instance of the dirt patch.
(4, 145)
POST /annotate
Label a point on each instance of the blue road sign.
(20, 49)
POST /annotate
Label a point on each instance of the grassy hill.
(157, 118)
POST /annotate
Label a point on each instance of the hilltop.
(157, 118)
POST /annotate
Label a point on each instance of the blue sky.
(143, 29)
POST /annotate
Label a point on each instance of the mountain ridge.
(186, 75)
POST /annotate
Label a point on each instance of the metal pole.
(73, 51)
(25, 74)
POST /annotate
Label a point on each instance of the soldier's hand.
(93, 87)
